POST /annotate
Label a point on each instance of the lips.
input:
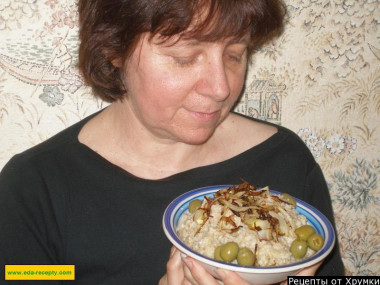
(205, 116)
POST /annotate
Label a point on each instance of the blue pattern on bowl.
(179, 205)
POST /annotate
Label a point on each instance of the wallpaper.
(321, 79)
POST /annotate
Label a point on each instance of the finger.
(230, 277)
(188, 276)
(199, 273)
(163, 280)
(175, 274)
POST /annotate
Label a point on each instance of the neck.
(125, 142)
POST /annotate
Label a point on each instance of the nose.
(214, 80)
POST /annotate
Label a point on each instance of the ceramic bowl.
(254, 275)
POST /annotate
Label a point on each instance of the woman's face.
(182, 90)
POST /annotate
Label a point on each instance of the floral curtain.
(321, 79)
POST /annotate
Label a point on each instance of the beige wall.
(321, 79)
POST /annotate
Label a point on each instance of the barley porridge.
(255, 219)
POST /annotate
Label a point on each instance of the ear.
(117, 62)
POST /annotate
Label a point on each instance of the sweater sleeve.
(29, 230)
(317, 194)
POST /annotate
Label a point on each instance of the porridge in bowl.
(248, 226)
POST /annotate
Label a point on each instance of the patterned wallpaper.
(321, 79)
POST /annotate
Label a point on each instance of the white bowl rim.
(168, 223)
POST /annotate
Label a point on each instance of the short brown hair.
(110, 29)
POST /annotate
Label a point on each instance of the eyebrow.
(181, 42)
(191, 42)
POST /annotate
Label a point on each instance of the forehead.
(209, 21)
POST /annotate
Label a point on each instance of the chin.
(196, 137)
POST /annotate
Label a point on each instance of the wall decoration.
(321, 79)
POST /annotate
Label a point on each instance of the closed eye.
(235, 58)
(184, 61)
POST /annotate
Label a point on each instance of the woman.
(94, 195)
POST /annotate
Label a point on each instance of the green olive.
(217, 253)
(229, 251)
(303, 232)
(298, 248)
(315, 241)
(245, 257)
(288, 198)
(194, 205)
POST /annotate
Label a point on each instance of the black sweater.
(62, 203)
